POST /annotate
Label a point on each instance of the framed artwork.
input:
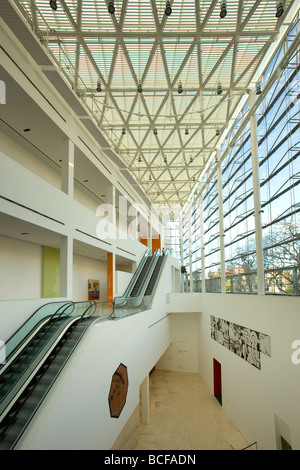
(94, 289)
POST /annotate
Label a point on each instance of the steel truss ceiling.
(164, 137)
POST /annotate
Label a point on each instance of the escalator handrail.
(9, 399)
(137, 300)
(141, 278)
(149, 274)
(92, 304)
(53, 380)
(24, 339)
(56, 315)
(149, 298)
(34, 330)
(122, 298)
(63, 303)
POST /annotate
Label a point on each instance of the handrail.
(122, 298)
(133, 302)
(37, 318)
(132, 306)
(250, 445)
(136, 300)
(148, 299)
(87, 309)
(102, 309)
(58, 314)
(42, 351)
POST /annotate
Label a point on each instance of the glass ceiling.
(164, 137)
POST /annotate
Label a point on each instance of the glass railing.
(102, 309)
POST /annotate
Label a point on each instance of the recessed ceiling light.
(24, 233)
(85, 181)
(27, 130)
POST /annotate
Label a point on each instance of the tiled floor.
(184, 415)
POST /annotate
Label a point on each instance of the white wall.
(84, 269)
(182, 354)
(52, 205)
(29, 157)
(122, 281)
(21, 269)
(255, 400)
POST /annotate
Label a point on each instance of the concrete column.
(111, 274)
(181, 238)
(149, 234)
(181, 251)
(111, 199)
(145, 401)
(66, 267)
(221, 225)
(257, 202)
(67, 170)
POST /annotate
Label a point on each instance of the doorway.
(217, 380)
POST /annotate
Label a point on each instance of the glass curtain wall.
(278, 128)
(211, 235)
(196, 244)
(279, 151)
(238, 210)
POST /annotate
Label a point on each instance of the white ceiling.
(139, 44)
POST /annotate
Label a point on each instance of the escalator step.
(13, 431)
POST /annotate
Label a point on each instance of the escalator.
(150, 287)
(154, 280)
(38, 351)
(31, 371)
(136, 281)
(139, 283)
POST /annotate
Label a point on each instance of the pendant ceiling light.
(223, 11)
(279, 10)
(168, 9)
(53, 4)
(111, 8)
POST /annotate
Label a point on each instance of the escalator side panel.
(15, 423)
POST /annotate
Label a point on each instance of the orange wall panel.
(110, 276)
(156, 243)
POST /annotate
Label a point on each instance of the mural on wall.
(94, 289)
(246, 343)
